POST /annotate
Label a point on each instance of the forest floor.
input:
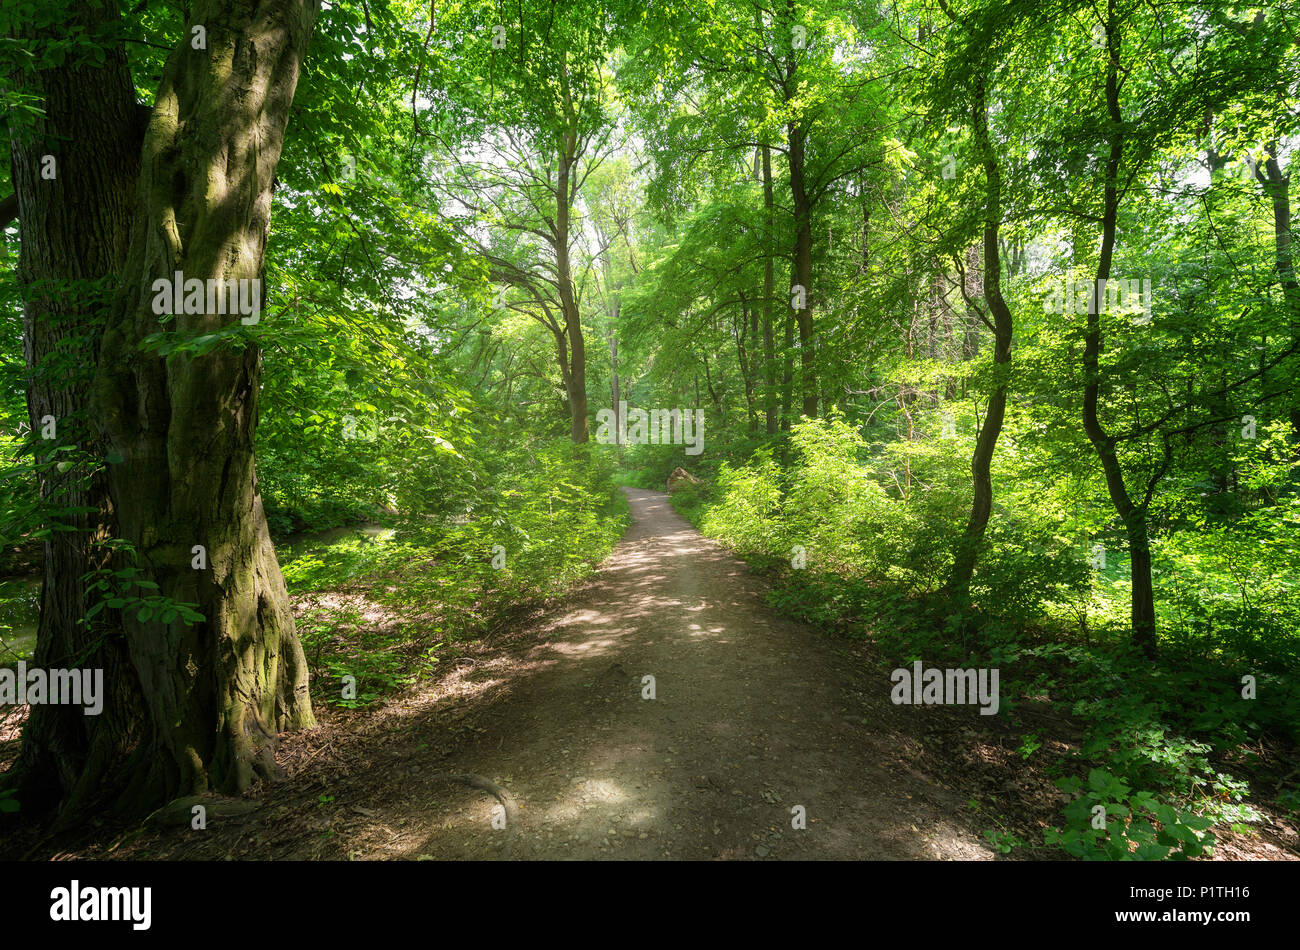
(753, 714)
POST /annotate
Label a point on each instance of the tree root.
(496, 791)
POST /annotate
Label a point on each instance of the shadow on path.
(752, 715)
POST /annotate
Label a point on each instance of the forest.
(649, 429)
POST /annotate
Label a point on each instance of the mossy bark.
(217, 692)
(192, 708)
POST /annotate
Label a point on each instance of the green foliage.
(113, 590)
(1003, 841)
(1136, 825)
(875, 553)
(747, 513)
(391, 605)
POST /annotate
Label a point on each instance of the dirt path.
(752, 715)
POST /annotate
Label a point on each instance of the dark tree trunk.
(74, 229)
(769, 288)
(986, 443)
(803, 269)
(575, 379)
(1278, 187)
(1134, 515)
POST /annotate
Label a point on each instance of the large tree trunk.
(216, 692)
(575, 378)
(982, 481)
(74, 228)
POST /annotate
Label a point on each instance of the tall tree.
(74, 167)
(176, 430)
(1001, 324)
(536, 88)
(741, 77)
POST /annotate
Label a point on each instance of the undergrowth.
(1172, 746)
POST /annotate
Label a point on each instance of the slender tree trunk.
(986, 443)
(752, 375)
(613, 372)
(970, 345)
(708, 386)
(769, 288)
(803, 269)
(1278, 187)
(1134, 516)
